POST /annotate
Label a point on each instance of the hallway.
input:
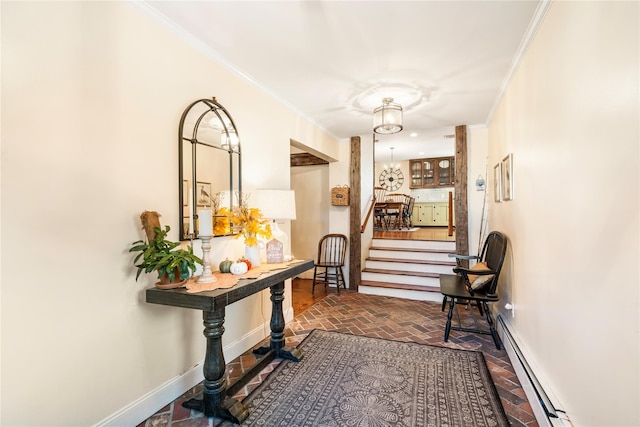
(375, 316)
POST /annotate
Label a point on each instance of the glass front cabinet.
(432, 173)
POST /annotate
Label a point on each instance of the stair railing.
(366, 218)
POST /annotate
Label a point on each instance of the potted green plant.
(159, 254)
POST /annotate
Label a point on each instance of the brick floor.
(374, 316)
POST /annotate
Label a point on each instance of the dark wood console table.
(215, 399)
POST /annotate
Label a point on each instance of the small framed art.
(203, 193)
(507, 178)
(497, 187)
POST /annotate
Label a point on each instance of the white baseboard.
(532, 388)
(147, 405)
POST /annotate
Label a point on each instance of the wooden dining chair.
(379, 209)
(407, 211)
(332, 250)
(395, 206)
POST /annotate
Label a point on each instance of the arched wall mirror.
(209, 164)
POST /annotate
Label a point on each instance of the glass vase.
(252, 253)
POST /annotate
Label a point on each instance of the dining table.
(387, 210)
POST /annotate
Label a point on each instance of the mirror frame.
(228, 125)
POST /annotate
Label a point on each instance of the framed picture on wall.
(497, 187)
(507, 178)
(203, 193)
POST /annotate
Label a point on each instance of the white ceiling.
(334, 61)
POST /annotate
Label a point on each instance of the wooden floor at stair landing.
(422, 233)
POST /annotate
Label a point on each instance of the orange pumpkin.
(246, 261)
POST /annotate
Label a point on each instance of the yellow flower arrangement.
(248, 222)
(220, 215)
(221, 222)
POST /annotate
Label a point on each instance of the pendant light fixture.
(394, 167)
(387, 118)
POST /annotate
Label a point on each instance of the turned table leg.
(277, 342)
(214, 401)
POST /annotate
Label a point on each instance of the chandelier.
(394, 167)
(387, 118)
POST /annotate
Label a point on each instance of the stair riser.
(405, 266)
(414, 244)
(406, 255)
(402, 293)
(401, 279)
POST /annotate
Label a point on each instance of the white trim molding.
(534, 25)
(545, 410)
(147, 405)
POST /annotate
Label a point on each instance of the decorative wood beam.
(306, 159)
(461, 208)
(355, 240)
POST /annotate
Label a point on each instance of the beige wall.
(477, 143)
(312, 219)
(570, 118)
(316, 215)
(367, 183)
(91, 97)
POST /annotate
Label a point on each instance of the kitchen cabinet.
(422, 214)
(441, 214)
(427, 214)
(432, 173)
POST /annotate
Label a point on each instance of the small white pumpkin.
(238, 268)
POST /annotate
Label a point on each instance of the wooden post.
(355, 240)
(462, 225)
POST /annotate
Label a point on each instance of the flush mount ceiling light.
(387, 118)
(230, 140)
(366, 96)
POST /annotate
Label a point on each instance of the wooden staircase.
(407, 268)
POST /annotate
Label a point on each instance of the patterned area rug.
(350, 380)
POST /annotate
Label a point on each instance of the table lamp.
(276, 205)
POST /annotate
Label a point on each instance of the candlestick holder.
(206, 276)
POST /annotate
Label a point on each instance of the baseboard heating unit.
(547, 414)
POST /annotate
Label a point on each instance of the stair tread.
(442, 251)
(400, 272)
(412, 261)
(388, 285)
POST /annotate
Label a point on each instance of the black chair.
(476, 286)
(395, 204)
(332, 251)
(379, 209)
(407, 212)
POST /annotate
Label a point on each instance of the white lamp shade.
(275, 204)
